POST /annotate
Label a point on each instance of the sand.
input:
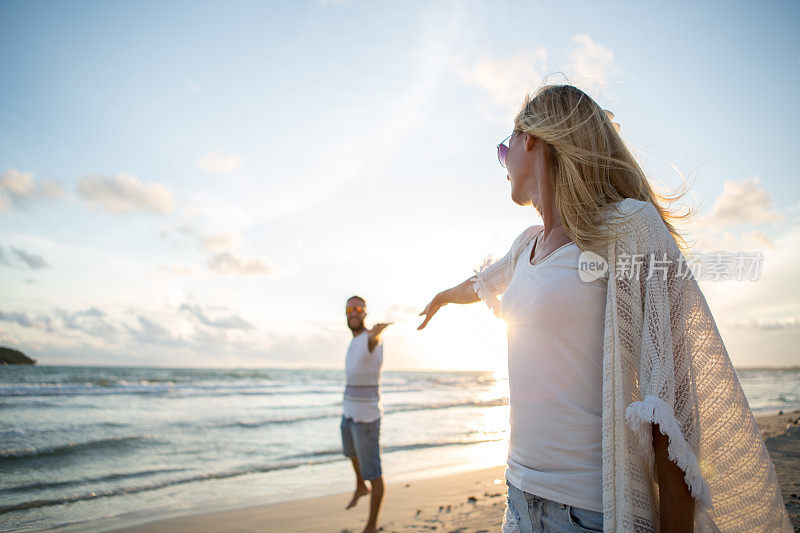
(468, 502)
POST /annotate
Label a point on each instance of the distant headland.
(10, 356)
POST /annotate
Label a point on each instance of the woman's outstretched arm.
(463, 293)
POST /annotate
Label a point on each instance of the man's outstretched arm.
(375, 334)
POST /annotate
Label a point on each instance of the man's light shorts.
(360, 440)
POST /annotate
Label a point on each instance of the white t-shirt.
(362, 401)
(555, 351)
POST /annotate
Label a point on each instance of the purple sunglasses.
(502, 150)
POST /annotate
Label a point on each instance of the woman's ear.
(530, 142)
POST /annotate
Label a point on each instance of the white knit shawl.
(664, 362)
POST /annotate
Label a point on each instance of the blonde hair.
(592, 166)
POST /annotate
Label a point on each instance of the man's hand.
(375, 333)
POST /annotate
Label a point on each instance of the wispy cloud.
(223, 322)
(92, 322)
(590, 64)
(124, 193)
(231, 263)
(219, 163)
(27, 320)
(506, 80)
(220, 241)
(33, 261)
(212, 241)
(149, 331)
(18, 189)
(223, 259)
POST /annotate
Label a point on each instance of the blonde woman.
(626, 413)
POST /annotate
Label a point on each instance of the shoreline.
(468, 501)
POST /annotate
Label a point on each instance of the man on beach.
(362, 409)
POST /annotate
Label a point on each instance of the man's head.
(356, 312)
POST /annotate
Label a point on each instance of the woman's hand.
(438, 302)
(463, 293)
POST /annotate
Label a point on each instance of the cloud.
(216, 241)
(220, 241)
(219, 163)
(41, 322)
(17, 189)
(150, 331)
(223, 322)
(752, 240)
(231, 263)
(759, 319)
(589, 63)
(507, 80)
(95, 327)
(744, 202)
(787, 323)
(33, 261)
(125, 193)
(740, 204)
(91, 321)
(223, 259)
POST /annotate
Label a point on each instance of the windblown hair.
(592, 166)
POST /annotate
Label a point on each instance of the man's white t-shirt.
(555, 351)
(362, 401)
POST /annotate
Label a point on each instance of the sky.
(205, 183)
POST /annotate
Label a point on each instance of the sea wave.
(45, 485)
(401, 447)
(69, 447)
(155, 389)
(398, 408)
(495, 402)
(311, 459)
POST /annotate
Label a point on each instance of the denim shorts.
(360, 440)
(528, 513)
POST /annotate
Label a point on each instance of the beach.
(99, 449)
(467, 502)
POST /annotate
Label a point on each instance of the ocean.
(95, 444)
